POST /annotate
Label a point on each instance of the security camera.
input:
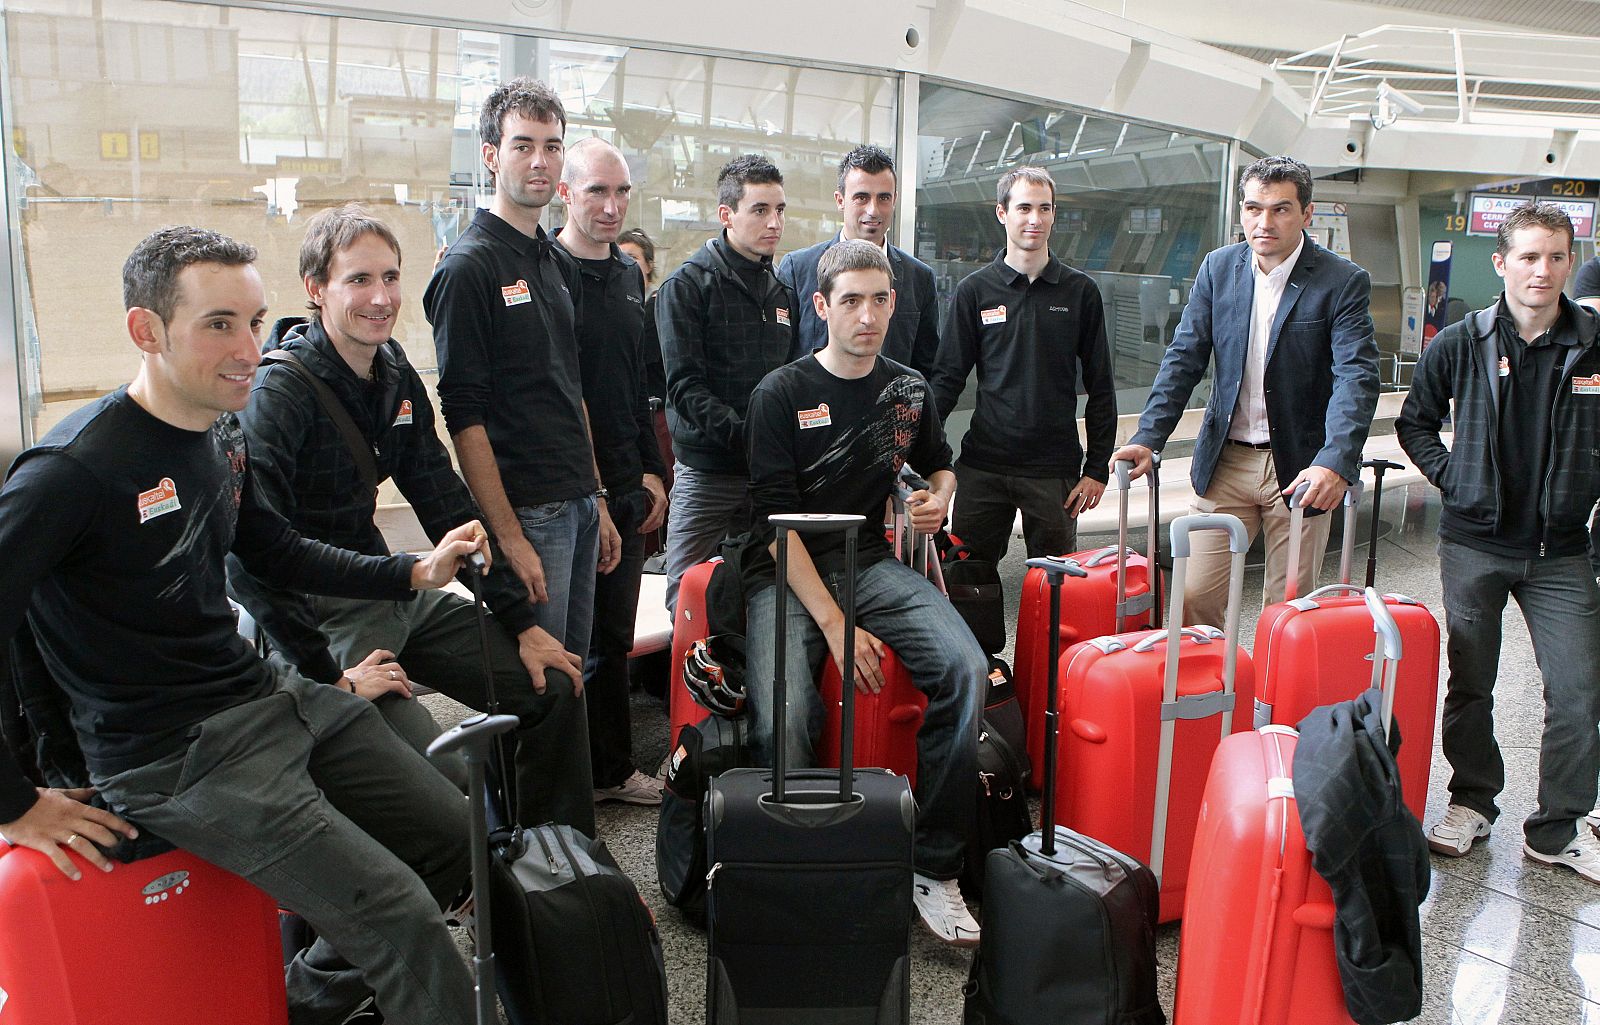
(1399, 99)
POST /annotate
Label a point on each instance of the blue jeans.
(899, 607)
(1561, 604)
(706, 507)
(566, 536)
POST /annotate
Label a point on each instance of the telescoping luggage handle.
(1151, 599)
(1056, 569)
(1347, 550)
(1194, 706)
(815, 523)
(910, 547)
(478, 738)
(1378, 467)
(1386, 651)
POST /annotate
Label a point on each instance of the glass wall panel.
(127, 115)
(1137, 209)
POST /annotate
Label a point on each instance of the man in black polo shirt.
(595, 186)
(1035, 328)
(501, 306)
(1522, 380)
(304, 469)
(868, 186)
(725, 320)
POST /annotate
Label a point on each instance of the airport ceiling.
(1578, 17)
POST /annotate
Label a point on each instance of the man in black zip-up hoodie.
(1518, 480)
(305, 470)
(725, 321)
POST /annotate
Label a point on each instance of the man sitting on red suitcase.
(113, 531)
(1519, 480)
(828, 434)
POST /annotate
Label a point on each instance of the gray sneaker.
(636, 789)
(1455, 834)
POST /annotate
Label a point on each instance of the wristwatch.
(602, 492)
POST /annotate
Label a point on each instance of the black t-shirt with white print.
(821, 444)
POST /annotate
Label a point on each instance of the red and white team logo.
(516, 295)
(405, 413)
(1586, 385)
(818, 417)
(158, 501)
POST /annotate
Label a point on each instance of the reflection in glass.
(1136, 208)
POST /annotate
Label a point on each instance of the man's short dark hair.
(150, 274)
(868, 159)
(1026, 173)
(333, 231)
(750, 169)
(526, 96)
(848, 255)
(1268, 170)
(1532, 214)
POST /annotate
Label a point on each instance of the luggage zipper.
(549, 855)
(712, 874)
(583, 885)
(984, 778)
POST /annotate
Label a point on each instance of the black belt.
(1259, 446)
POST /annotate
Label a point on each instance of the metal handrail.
(1454, 75)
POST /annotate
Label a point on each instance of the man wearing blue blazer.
(1286, 323)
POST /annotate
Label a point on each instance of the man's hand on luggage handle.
(1138, 455)
(927, 511)
(439, 567)
(1327, 487)
(63, 818)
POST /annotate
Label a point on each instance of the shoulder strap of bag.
(360, 451)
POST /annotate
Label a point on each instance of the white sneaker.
(943, 910)
(1582, 855)
(1455, 834)
(636, 789)
(1592, 820)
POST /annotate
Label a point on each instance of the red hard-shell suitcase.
(1257, 944)
(1133, 717)
(164, 940)
(1312, 651)
(1118, 578)
(1257, 941)
(886, 722)
(688, 626)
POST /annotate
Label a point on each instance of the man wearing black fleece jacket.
(304, 470)
(1522, 382)
(112, 537)
(725, 321)
(1035, 329)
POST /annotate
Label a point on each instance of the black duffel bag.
(974, 588)
(705, 750)
(1001, 815)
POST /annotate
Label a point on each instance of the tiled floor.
(1505, 940)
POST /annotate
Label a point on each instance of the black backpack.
(1002, 814)
(975, 590)
(706, 749)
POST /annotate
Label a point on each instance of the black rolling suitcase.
(809, 901)
(1068, 922)
(577, 944)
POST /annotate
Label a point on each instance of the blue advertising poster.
(1437, 299)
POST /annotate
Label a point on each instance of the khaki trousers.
(1246, 485)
